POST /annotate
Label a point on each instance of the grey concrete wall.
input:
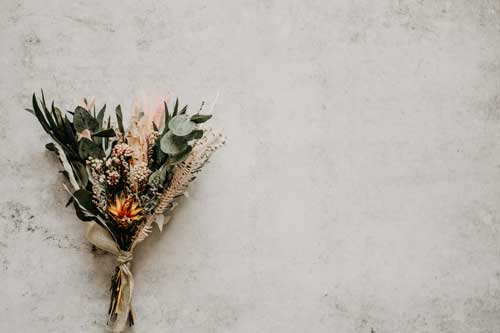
(359, 190)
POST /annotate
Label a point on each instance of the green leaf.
(88, 148)
(181, 125)
(194, 135)
(200, 118)
(39, 115)
(83, 120)
(119, 119)
(58, 117)
(167, 118)
(183, 110)
(107, 133)
(106, 140)
(69, 134)
(48, 116)
(100, 116)
(174, 159)
(81, 173)
(84, 205)
(51, 146)
(171, 144)
(176, 107)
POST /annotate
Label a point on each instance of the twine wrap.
(99, 237)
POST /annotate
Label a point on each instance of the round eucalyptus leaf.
(83, 120)
(181, 125)
(88, 148)
(171, 144)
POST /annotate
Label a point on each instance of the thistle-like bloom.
(125, 211)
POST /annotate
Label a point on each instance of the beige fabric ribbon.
(98, 236)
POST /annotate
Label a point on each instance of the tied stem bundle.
(123, 182)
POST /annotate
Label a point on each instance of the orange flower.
(125, 211)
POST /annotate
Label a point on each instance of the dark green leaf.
(106, 140)
(176, 107)
(119, 119)
(167, 118)
(200, 118)
(59, 119)
(51, 146)
(106, 133)
(39, 115)
(100, 116)
(48, 115)
(183, 110)
(83, 120)
(69, 134)
(194, 135)
(81, 173)
(84, 205)
(89, 148)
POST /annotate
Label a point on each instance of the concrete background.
(359, 190)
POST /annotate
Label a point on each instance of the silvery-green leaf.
(181, 156)
(172, 145)
(181, 125)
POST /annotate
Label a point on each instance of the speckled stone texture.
(359, 190)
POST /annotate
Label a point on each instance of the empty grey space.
(359, 190)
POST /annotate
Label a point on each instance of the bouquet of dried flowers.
(123, 181)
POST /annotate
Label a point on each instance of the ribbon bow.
(99, 237)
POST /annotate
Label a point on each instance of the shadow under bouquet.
(124, 181)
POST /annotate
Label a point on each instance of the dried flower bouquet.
(124, 181)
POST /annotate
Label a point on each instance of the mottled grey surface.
(359, 190)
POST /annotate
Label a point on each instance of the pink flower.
(85, 134)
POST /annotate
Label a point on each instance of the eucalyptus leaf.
(171, 144)
(88, 148)
(181, 125)
(177, 158)
(83, 120)
(194, 135)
